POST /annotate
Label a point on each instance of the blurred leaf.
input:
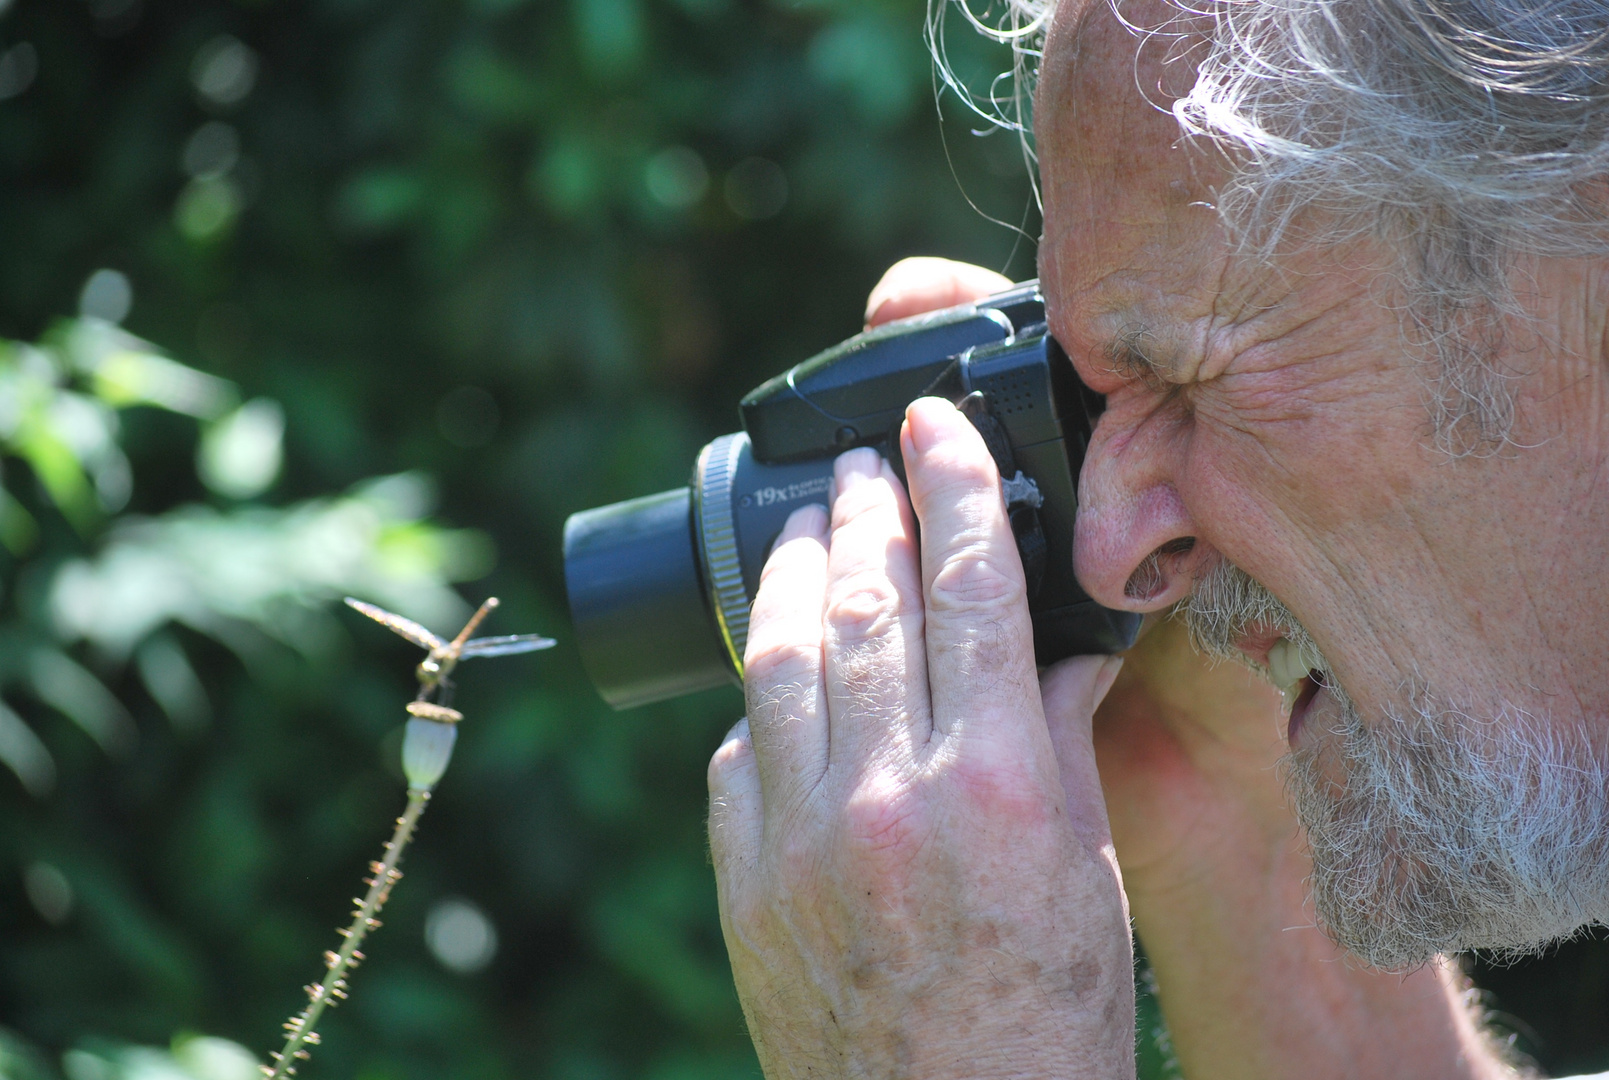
(876, 61)
(210, 1058)
(274, 570)
(643, 926)
(192, 1057)
(18, 529)
(24, 754)
(566, 178)
(172, 682)
(59, 471)
(486, 83)
(73, 690)
(21, 1060)
(126, 371)
(207, 208)
(241, 453)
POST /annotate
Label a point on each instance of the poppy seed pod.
(427, 747)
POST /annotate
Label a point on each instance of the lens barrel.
(660, 587)
(637, 597)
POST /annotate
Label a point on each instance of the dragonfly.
(434, 670)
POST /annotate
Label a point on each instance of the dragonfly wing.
(406, 627)
(505, 646)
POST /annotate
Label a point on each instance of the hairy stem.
(332, 987)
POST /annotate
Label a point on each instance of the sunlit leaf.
(241, 454)
(74, 690)
(60, 473)
(25, 755)
(268, 568)
(124, 370)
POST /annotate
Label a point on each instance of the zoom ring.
(717, 468)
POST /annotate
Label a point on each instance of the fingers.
(1072, 690)
(876, 667)
(912, 286)
(736, 810)
(782, 663)
(980, 645)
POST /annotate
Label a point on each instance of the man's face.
(1277, 419)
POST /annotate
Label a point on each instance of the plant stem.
(332, 988)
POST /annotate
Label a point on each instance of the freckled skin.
(907, 888)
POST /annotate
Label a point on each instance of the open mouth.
(1306, 690)
(1297, 670)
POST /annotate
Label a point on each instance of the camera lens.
(638, 601)
(660, 587)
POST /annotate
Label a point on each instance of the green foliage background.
(534, 249)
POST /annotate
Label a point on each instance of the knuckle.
(728, 758)
(781, 712)
(873, 498)
(976, 577)
(723, 808)
(770, 665)
(865, 606)
(1005, 789)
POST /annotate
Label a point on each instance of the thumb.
(1072, 690)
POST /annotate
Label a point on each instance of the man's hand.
(910, 882)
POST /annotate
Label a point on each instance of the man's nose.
(1135, 546)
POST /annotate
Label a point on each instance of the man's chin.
(1443, 833)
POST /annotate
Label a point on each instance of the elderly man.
(1338, 269)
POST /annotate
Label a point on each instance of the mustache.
(1227, 604)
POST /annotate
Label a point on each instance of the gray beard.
(1441, 830)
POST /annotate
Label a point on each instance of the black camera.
(660, 587)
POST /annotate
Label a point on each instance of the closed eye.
(1131, 355)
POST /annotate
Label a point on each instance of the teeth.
(1288, 665)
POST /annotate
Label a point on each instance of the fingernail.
(874, 304)
(806, 521)
(1104, 680)
(929, 420)
(856, 467)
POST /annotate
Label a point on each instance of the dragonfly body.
(435, 669)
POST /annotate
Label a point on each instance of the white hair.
(1018, 23)
(1448, 830)
(1465, 132)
